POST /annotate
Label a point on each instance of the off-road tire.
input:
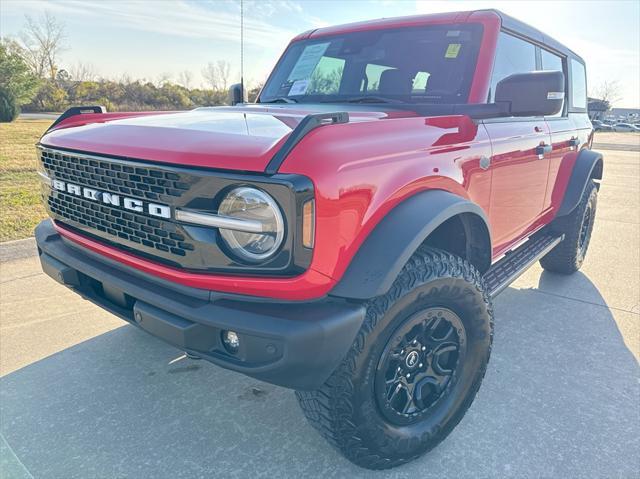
(345, 410)
(568, 256)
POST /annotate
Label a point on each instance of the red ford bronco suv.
(343, 236)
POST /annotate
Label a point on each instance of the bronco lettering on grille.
(153, 209)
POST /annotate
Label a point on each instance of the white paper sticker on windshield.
(307, 62)
(298, 88)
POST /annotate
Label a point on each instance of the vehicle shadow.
(560, 399)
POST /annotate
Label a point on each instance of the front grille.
(133, 181)
(113, 177)
(160, 235)
(190, 247)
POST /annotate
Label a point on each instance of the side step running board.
(517, 261)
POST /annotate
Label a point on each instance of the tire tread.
(328, 408)
(564, 258)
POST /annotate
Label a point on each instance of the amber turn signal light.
(309, 223)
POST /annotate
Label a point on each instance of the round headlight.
(257, 208)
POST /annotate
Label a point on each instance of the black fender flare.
(588, 165)
(389, 246)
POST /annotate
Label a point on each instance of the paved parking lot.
(84, 395)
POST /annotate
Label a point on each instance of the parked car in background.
(625, 127)
(599, 126)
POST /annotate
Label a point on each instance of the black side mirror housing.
(538, 93)
(237, 94)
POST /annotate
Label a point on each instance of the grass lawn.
(20, 202)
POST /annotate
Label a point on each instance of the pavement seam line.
(584, 302)
(15, 456)
(21, 277)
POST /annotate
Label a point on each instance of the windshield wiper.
(366, 99)
(281, 99)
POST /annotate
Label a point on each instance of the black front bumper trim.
(291, 344)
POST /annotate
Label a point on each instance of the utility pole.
(242, 48)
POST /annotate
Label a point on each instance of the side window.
(578, 85)
(552, 62)
(513, 55)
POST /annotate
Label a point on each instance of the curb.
(18, 249)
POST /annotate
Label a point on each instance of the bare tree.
(83, 72)
(210, 75)
(125, 79)
(224, 68)
(216, 75)
(185, 78)
(42, 42)
(608, 91)
(164, 77)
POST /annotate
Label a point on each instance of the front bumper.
(291, 344)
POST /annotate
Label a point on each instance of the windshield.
(428, 64)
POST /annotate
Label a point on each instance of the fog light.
(231, 341)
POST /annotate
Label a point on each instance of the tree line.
(32, 79)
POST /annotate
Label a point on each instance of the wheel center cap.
(412, 359)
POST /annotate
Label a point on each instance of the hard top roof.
(509, 23)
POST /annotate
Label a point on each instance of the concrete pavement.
(84, 395)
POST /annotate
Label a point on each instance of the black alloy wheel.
(418, 366)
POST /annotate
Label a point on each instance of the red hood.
(237, 138)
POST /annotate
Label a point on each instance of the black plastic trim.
(398, 235)
(291, 344)
(476, 111)
(589, 164)
(306, 125)
(517, 261)
(520, 28)
(76, 110)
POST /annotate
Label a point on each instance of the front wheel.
(414, 368)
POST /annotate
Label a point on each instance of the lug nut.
(420, 365)
(231, 341)
(408, 375)
(423, 348)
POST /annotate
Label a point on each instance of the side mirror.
(532, 94)
(236, 94)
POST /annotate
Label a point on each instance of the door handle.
(543, 149)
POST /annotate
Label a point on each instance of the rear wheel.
(568, 256)
(414, 367)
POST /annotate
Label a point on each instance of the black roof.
(519, 27)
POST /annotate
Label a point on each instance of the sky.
(151, 39)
